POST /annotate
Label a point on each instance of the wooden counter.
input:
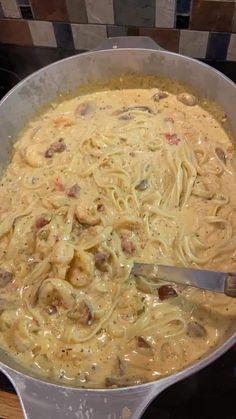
(10, 406)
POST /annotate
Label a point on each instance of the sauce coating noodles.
(97, 182)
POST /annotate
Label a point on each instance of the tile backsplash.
(197, 28)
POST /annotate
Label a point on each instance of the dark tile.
(26, 12)
(212, 15)
(63, 34)
(183, 6)
(132, 31)
(77, 11)
(134, 12)
(14, 31)
(113, 30)
(1, 11)
(50, 10)
(166, 38)
(24, 60)
(182, 21)
(217, 46)
(23, 2)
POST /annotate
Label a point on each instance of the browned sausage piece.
(166, 291)
(57, 147)
(74, 191)
(100, 207)
(142, 343)
(42, 221)
(128, 246)
(5, 278)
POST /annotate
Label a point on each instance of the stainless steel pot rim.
(91, 53)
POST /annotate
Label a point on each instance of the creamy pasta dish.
(95, 183)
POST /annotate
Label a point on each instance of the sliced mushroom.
(49, 153)
(52, 309)
(171, 351)
(84, 109)
(74, 191)
(221, 154)
(133, 108)
(101, 260)
(196, 330)
(126, 117)
(5, 278)
(139, 108)
(187, 99)
(143, 185)
(166, 291)
(83, 313)
(159, 95)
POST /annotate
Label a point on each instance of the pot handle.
(49, 401)
(128, 42)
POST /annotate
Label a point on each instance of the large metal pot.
(119, 55)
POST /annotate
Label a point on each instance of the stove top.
(208, 394)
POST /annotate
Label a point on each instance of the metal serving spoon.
(224, 282)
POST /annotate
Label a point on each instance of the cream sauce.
(97, 182)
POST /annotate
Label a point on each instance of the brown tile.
(50, 9)
(15, 32)
(212, 15)
(234, 20)
(166, 38)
